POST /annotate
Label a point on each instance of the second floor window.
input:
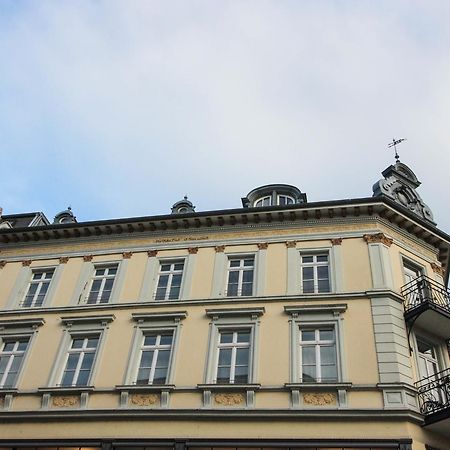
(11, 357)
(315, 273)
(169, 280)
(240, 276)
(102, 284)
(155, 359)
(37, 290)
(233, 356)
(80, 360)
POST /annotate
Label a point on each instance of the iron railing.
(434, 392)
(422, 290)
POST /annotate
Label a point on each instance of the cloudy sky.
(119, 108)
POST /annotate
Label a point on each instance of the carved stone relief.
(144, 399)
(65, 401)
(378, 238)
(229, 399)
(319, 399)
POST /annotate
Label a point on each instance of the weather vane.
(394, 144)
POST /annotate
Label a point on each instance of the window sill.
(229, 387)
(318, 386)
(145, 387)
(66, 389)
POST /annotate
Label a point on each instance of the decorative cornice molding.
(193, 250)
(438, 269)
(87, 258)
(378, 238)
(63, 259)
(127, 255)
(233, 312)
(103, 319)
(159, 316)
(336, 241)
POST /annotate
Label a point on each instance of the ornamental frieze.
(319, 399)
(65, 401)
(229, 399)
(438, 269)
(144, 399)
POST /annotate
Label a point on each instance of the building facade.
(281, 324)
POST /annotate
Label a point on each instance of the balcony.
(434, 401)
(427, 304)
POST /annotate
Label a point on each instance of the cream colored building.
(281, 324)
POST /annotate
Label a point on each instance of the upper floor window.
(285, 200)
(79, 361)
(233, 356)
(411, 271)
(155, 358)
(38, 287)
(240, 276)
(315, 272)
(102, 284)
(11, 357)
(318, 362)
(263, 201)
(169, 280)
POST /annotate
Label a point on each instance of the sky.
(120, 108)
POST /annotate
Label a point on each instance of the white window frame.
(261, 199)
(156, 348)
(412, 265)
(315, 264)
(103, 278)
(241, 268)
(233, 346)
(35, 270)
(237, 319)
(317, 344)
(170, 274)
(12, 355)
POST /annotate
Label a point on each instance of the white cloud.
(134, 104)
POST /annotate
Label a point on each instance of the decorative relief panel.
(291, 244)
(219, 248)
(144, 399)
(152, 253)
(87, 258)
(438, 269)
(263, 246)
(63, 259)
(319, 399)
(127, 255)
(65, 401)
(378, 238)
(229, 399)
(26, 263)
(336, 241)
(2, 264)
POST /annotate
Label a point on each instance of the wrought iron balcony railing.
(434, 392)
(422, 290)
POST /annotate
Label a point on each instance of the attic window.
(263, 201)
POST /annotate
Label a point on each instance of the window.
(240, 276)
(102, 284)
(263, 201)
(38, 287)
(80, 360)
(233, 356)
(285, 200)
(155, 358)
(11, 357)
(169, 280)
(318, 362)
(411, 271)
(315, 273)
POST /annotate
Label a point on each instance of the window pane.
(87, 361)
(92, 342)
(322, 258)
(150, 340)
(235, 262)
(163, 281)
(67, 378)
(308, 374)
(83, 378)
(225, 357)
(243, 336)
(322, 272)
(77, 343)
(241, 374)
(233, 276)
(223, 374)
(307, 259)
(174, 293)
(179, 266)
(72, 361)
(242, 356)
(160, 376)
(327, 355)
(146, 359)
(22, 345)
(247, 276)
(324, 286)
(9, 346)
(326, 335)
(226, 337)
(249, 262)
(143, 376)
(329, 373)
(308, 273)
(247, 288)
(308, 355)
(308, 335)
(166, 339)
(163, 358)
(99, 272)
(176, 280)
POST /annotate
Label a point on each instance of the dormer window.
(263, 201)
(285, 200)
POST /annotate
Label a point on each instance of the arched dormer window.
(285, 200)
(263, 201)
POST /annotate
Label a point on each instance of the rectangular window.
(315, 273)
(318, 360)
(169, 280)
(11, 357)
(39, 284)
(155, 358)
(102, 284)
(233, 356)
(80, 360)
(240, 276)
